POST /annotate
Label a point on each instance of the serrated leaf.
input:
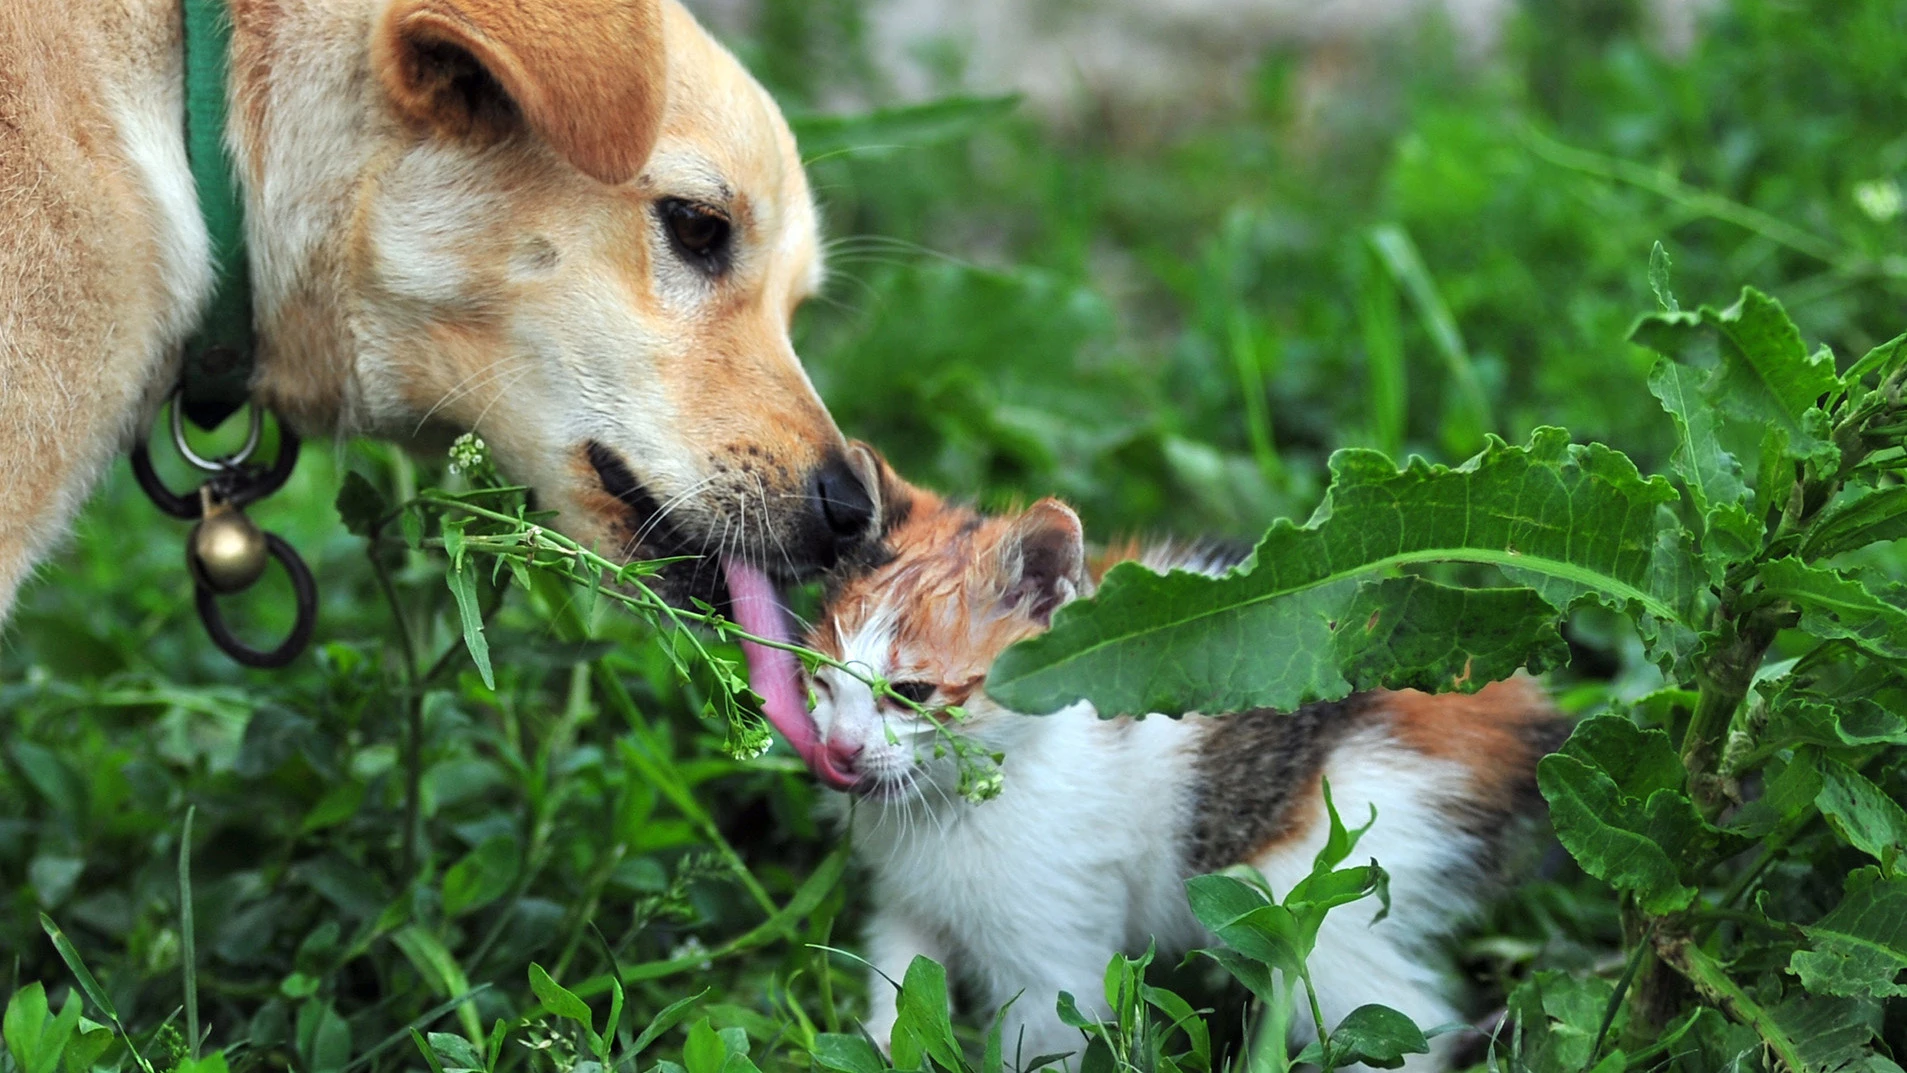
(1712, 475)
(1881, 361)
(1833, 605)
(1786, 796)
(1828, 1033)
(1860, 948)
(1612, 811)
(1659, 279)
(1376, 1036)
(360, 504)
(1413, 633)
(1862, 813)
(1571, 522)
(1765, 373)
(1857, 522)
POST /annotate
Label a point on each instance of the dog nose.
(843, 501)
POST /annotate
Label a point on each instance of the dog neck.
(300, 97)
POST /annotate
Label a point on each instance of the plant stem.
(1712, 982)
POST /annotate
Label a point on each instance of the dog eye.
(698, 232)
(913, 692)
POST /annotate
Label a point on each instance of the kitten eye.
(699, 233)
(913, 692)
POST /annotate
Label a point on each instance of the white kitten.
(1086, 850)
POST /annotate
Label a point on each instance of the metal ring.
(186, 507)
(236, 458)
(303, 589)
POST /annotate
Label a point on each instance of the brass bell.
(226, 552)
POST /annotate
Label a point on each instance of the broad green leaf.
(1639, 761)
(1412, 633)
(36, 1037)
(1765, 373)
(1572, 522)
(1557, 1016)
(323, 1039)
(482, 876)
(709, 1051)
(1254, 974)
(211, 1063)
(923, 1028)
(1833, 605)
(1862, 813)
(455, 1051)
(1616, 809)
(1376, 1036)
(1828, 1033)
(556, 998)
(1787, 795)
(1860, 947)
(846, 1054)
(1798, 716)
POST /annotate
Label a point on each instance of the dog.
(578, 228)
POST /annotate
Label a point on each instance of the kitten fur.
(1100, 821)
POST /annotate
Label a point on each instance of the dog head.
(575, 227)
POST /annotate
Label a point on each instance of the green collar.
(217, 369)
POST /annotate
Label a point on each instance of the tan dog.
(577, 227)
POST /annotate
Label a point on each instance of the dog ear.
(589, 77)
(1043, 560)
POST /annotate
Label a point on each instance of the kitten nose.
(844, 753)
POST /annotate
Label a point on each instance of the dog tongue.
(773, 672)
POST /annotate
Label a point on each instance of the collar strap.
(217, 369)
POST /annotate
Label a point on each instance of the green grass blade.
(1468, 416)
(188, 942)
(90, 986)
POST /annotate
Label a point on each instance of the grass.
(1171, 334)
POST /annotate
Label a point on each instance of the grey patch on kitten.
(1255, 767)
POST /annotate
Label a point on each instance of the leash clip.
(226, 552)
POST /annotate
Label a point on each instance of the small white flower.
(690, 947)
(1880, 199)
(467, 452)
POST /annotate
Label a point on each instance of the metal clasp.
(226, 553)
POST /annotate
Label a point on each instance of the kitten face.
(958, 589)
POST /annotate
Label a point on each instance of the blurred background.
(1160, 259)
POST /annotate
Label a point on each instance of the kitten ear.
(893, 498)
(1043, 560)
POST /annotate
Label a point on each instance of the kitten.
(1086, 849)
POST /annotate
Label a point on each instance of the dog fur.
(458, 219)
